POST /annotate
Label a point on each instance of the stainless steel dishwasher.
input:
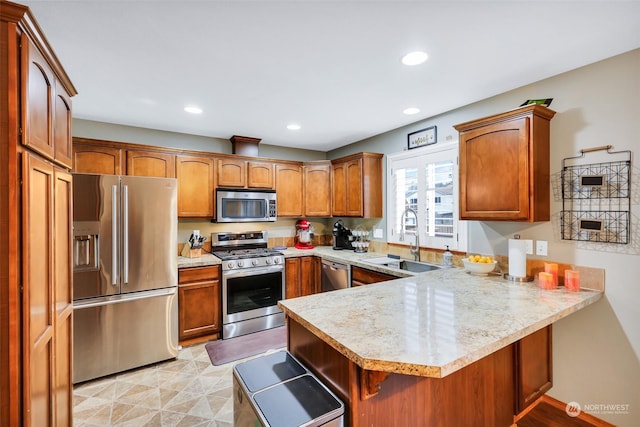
(335, 276)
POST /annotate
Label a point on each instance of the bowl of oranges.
(479, 264)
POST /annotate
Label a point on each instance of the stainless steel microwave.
(237, 205)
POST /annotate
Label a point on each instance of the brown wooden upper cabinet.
(196, 191)
(317, 188)
(91, 158)
(151, 163)
(356, 185)
(47, 119)
(289, 189)
(232, 173)
(243, 173)
(504, 166)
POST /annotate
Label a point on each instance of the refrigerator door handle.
(114, 235)
(125, 232)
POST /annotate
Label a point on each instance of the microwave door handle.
(114, 235)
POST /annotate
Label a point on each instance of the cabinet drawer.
(198, 274)
(361, 276)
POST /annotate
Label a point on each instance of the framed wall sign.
(422, 137)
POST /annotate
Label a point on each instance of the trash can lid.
(268, 370)
(300, 401)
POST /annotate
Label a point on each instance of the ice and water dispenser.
(85, 245)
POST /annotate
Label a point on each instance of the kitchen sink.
(402, 264)
(417, 267)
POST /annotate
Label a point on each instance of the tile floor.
(188, 391)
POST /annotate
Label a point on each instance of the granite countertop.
(325, 252)
(434, 323)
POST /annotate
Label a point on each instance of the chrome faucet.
(415, 251)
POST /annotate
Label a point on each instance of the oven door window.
(253, 292)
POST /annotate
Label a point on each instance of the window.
(422, 197)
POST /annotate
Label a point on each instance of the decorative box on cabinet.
(356, 185)
(504, 166)
(199, 308)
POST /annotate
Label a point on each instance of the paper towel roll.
(517, 258)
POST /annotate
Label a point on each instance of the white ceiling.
(331, 66)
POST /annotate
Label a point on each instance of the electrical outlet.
(529, 244)
(377, 233)
(541, 247)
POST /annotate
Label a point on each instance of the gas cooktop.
(236, 254)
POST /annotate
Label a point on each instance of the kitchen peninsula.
(439, 349)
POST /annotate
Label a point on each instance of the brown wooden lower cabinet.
(199, 311)
(362, 276)
(481, 393)
(302, 276)
(533, 367)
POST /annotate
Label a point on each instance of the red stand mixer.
(304, 234)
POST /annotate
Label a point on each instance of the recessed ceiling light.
(415, 58)
(193, 110)
(411, 111)
(293, 126)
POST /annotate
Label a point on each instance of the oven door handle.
(254, 271)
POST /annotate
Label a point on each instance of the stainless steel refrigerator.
(125, 273)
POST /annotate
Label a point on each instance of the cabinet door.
(339, 189)
(504, 166)
(150, 163)
(292, 278)
(317, 190)
(196, 193)
(232, 173)
(94, 159)
(309, 275)
(62, 298)
(302, 276)
(260, 175)
(199, 308)
(289, 190)
(354, 193)
(38, 324)
(38, 84)
(490, 188)
(533, 367)
(62, 126)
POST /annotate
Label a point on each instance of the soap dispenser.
(447, 258)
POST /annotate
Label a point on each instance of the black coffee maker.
(342, 236)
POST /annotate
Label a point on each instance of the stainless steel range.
(252, 282)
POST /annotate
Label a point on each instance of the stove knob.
(276, 260)
(254, 262)
(240, 264)
(268, 261)
(230, 265)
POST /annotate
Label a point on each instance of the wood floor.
(549, 412)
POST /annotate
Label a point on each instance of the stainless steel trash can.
(276, 390)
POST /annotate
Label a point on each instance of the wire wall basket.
(596, 199)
